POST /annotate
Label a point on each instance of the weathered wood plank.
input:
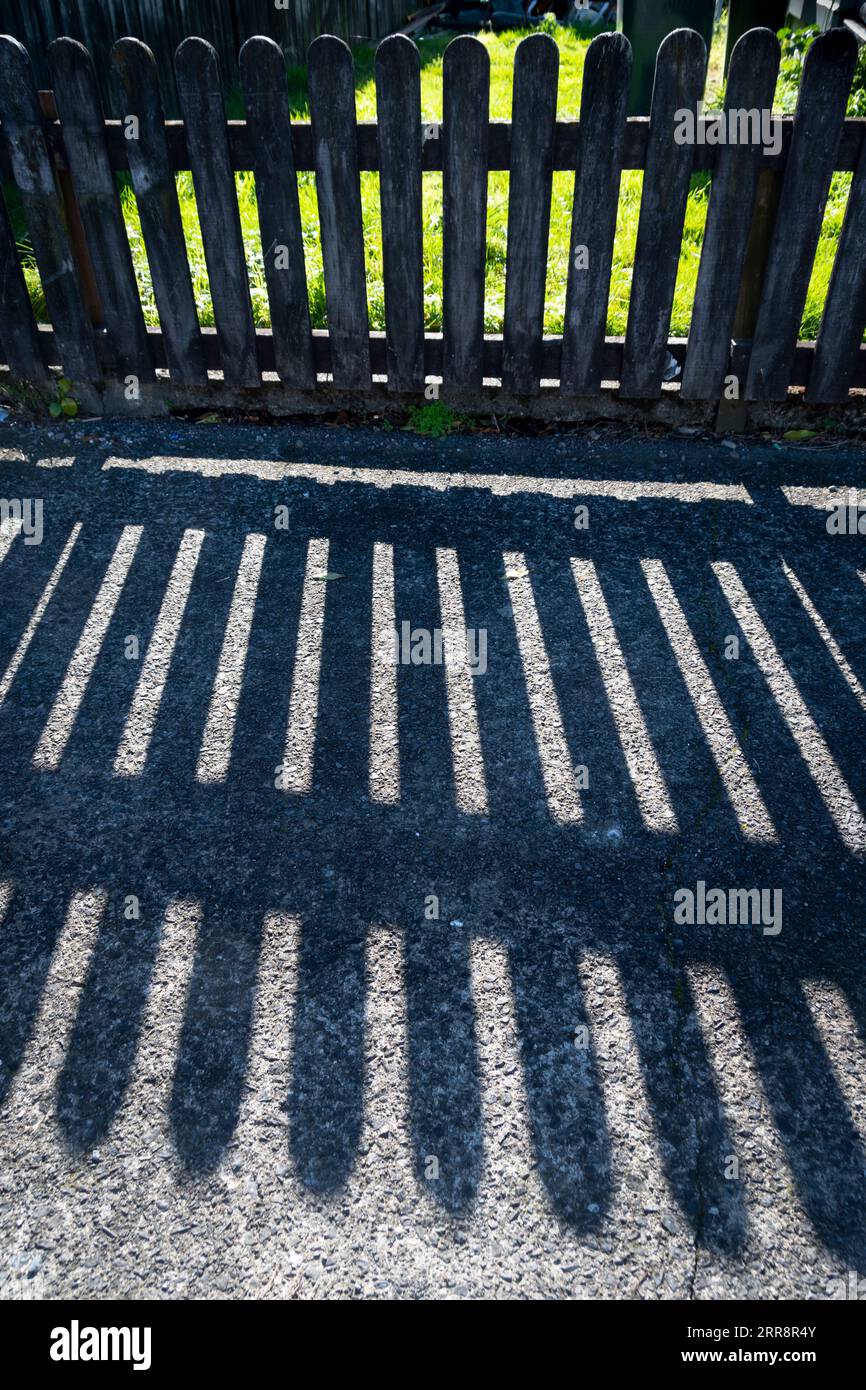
(77, 100)
(31, 167)
(19, 334)
(81, 120)
(751, 85)
(840, 336)
(679, 84)
(603, 112)
(533, 126)
(201, 98)
(398, 103)
(338, 191)
(466, 100)
(827, 74)
(156, 194)
(263, 75)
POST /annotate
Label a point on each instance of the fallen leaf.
(799, 434)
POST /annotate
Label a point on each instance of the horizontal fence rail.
(765, 210)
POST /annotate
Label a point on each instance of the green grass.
(501, 49)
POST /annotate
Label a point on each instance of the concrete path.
(325, 976)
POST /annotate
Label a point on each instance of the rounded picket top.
(398, 86)
(197, 67)
(466, 56)
(684, 34)
(67, 55)
(260, 55)
(755, 50)
(682, 46)
(14, 58)
(536, 43)
(329, 58)
(608, 56)
(131, 54)
(136, 80)
(831, 58)
(76, 90)
(536, 63)
(19, 99)
(397, 55)
(262, 68)
(681, 66)
(331, 78)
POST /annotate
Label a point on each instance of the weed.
(65, 403)
(435, 420)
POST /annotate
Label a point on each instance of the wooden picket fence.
(754, 271)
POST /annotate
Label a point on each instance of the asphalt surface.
(241, 1055)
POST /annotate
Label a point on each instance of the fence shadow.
(485, 817)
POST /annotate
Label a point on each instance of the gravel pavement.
(325, 976)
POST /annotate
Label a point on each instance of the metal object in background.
(827, 13)
(803, 11)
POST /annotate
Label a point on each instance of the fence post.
(732, 417)
(74, 224)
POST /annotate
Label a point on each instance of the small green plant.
(434, 420)
(795, 44)
(65, 404)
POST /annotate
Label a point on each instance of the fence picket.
(81, 119)
(751, 85)
(338, 190)
(19, 333)
(466, 102)
(161, 225)
(398, 101)
(840, 336)
(263, 74)
(34, 177)
(533, 130)
(827, 74)
(603, 113)
(201, 99)
(679, 83)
